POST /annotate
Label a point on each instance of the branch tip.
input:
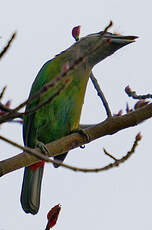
(5, 49)
(3, 91)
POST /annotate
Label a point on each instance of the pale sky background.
(122, 197)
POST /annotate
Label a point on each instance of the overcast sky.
(117, 199)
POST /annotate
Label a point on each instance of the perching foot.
(42, 147)
(83, 133)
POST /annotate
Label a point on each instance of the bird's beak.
(119, 39)
(107, 43)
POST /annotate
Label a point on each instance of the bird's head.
(100, 45)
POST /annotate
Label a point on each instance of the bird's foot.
(42, 147)
(84, 134)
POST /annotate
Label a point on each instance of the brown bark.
(107, 127)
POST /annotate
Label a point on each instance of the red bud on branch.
(76, 33)
(52, 216)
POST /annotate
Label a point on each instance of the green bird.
(61, 116)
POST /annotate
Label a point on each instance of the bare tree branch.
(107, 127)
(49, 99)
(100, 94)
(5, 108)
(76, 34)
(133, 94)
(5, 49)
(75, 63)
(116, 163)
(3, 91)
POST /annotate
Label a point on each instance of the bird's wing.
(29, 129)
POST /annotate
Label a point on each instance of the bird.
(61, 116)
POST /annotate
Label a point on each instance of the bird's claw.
(83, 133)
(42, 147)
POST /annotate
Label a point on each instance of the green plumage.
(50, 122)
(62, 115)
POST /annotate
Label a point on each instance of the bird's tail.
(31, 188)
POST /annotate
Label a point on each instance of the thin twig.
(100, 94)
(75, 34)
(109, 155)
(47, 100)
(28, 150)
(101, 35)
(86, 170)
(63, 73)
(133, 94)
(117, 162)
(107, 28)
(5, 108)
(64, 144)
(8, 45)
(2, 93)
(14, 114)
